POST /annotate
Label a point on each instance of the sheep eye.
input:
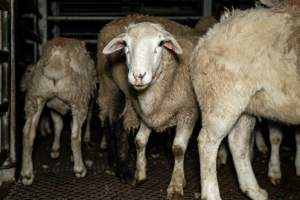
(161, 43)
(124, 43)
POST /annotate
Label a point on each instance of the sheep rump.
(64, 78)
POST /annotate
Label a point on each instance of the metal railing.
(64, 12)
(7, 91)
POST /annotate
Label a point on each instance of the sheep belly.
(277, 104)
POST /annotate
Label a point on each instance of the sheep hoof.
(274, 174)
(27, 179)
(81, 173)
(258, 193)
(211, 198)
(175, 195)
(54, 154)
(137, 182)
(274, 180)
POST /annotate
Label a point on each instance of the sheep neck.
(151, 100)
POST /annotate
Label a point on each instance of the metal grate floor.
(54, 179)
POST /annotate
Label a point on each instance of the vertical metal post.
(207, 7)
(12, 84)
(43, 24)
(35, 44)
(7, 90)
(5, 77)
(55, 12)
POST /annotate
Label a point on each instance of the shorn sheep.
(116, 110)
(64, 79)
(238, 70)
(44, 125)
(160, 90)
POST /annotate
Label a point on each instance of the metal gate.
(7, 91)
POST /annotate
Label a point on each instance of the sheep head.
(143, 44)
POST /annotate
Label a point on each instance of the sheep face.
(143, 44)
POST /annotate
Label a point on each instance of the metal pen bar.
(100, 18)
(12, 116)
(79, 34)
(207, 8)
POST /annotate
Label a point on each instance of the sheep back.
(254, 51)
(74, 80)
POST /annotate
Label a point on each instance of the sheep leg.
(123, 170)
(141, 141)
(77, 121)
(209, 140)
(183, 133)
(297, 158)
(251, 149)
(103, 143)
(58, 126)
(260, 142)
(274, 171)
(222, 155)
(29, 133)
(112, 141)
(239, 143)
(118, 155)
(87, 133)
(44, 125)
(217, 123)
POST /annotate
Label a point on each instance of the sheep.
(275, 136)
(64, 79)
(44, 124)
(112, 112)
(239, 69)
(157, 54)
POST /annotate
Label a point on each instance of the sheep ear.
(171, 43)
(114, 45)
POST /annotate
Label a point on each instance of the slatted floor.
(54, 179)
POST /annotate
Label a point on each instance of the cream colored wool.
(246, 65)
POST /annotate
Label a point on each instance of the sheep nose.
(139, 76)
